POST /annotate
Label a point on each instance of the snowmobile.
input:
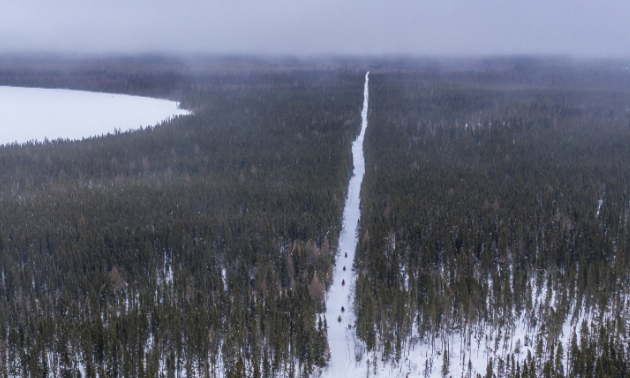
(339, 319)
(342, 309)
(343, 282)
(344, 268)
(346, 254)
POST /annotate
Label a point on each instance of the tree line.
(493, 202)
(197, 247)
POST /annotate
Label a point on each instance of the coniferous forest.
(494, 220)
(200, 246)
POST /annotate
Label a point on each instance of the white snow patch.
(36, 113)
(224, 275)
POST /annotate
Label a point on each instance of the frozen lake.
(37, 113)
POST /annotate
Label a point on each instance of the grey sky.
(307, 27)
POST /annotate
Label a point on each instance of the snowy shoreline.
(39, 113)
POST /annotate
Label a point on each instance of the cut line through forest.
(340, 334)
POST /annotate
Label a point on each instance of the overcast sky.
(596, 28)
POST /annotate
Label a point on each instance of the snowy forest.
(494, 233)
(198, 247)
(494, 238)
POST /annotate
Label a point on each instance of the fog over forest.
(306, 28)
(347, 189)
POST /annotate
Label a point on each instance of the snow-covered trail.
(340, 337)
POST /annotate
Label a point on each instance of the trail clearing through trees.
(341, 339)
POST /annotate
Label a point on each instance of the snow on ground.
(36, 113)
(340, 337)
(469, 349)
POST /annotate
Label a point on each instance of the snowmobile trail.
(341, 338)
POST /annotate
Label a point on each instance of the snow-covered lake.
(36, 113)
